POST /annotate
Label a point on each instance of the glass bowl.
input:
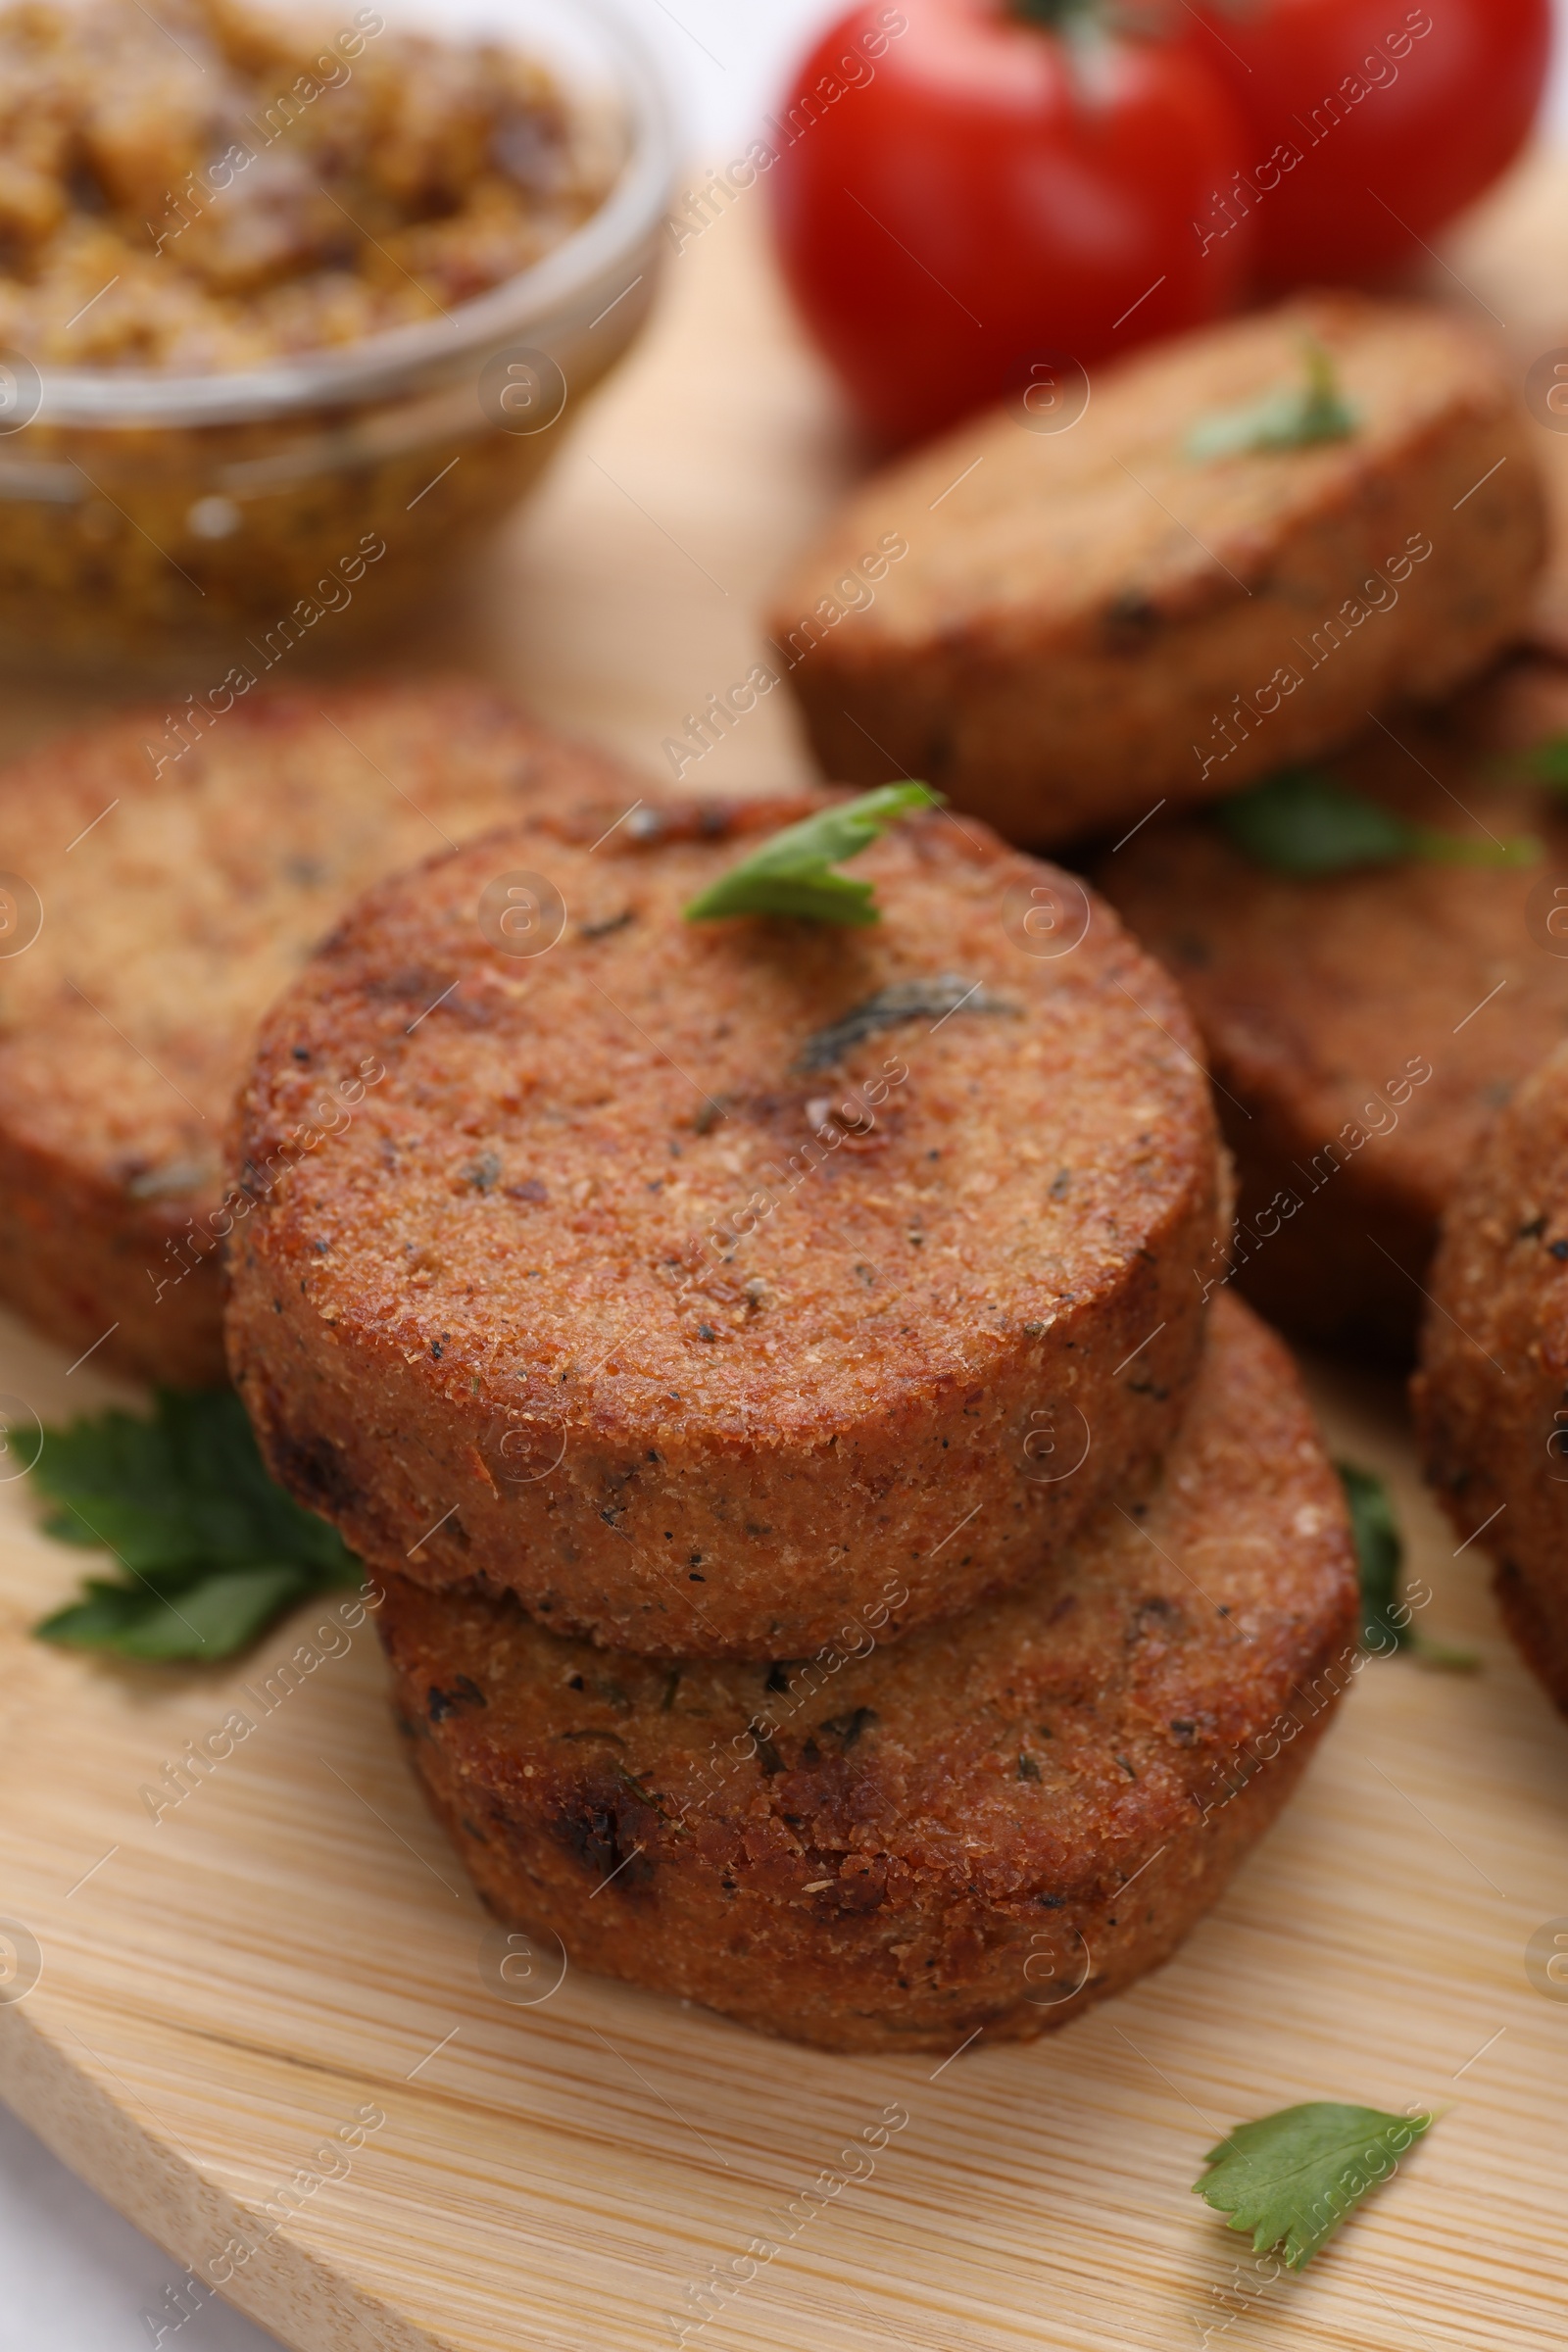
(146, 515)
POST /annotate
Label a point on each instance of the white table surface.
(74, 2276)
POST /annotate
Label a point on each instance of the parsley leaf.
(1292, 417)
(1546, 762)
(1291, 2177)
(1379, 1552)
(792, 874)
(1302, 823)
(211, 1550)
(1385, 1621)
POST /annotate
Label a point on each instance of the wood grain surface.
(290, 1951)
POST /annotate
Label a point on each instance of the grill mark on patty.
(313, 1471)
(587, 1822)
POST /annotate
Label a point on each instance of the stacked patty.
(829, 1553)
(153, 902)
(993, 1824)
(698, 1282)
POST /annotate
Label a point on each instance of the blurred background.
(74, 2276)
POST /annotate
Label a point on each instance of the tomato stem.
(1055, 15)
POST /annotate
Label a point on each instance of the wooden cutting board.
(272, 2025)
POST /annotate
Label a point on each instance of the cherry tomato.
(1372, 121)
(962, 190)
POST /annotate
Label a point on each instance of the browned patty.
(1491, 1393)
(1061, 629)
(993, 1825)
(1363, 1027)
(1548, 619)
(643, 1288)
(176, 900)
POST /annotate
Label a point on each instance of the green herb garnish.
(211, 1550)
(1379, 1552)
(1302, 823)
(1291, 2177)
(1292, 417)
(1386, 1617)
(793, 872)
(1546, 762)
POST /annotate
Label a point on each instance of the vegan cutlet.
(158, 903)
(1090, 621)
(1492, 1392)
(992, 1826)
(1364, 1025)
(702, 1282)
